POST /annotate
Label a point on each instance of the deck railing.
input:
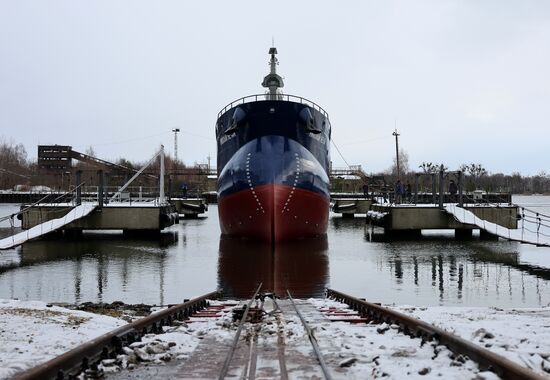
(270, 97)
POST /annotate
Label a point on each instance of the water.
(191, 259)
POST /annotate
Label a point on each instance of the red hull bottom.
(274, 213)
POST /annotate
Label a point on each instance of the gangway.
(534, 229)
(115, 215)
(49, 226)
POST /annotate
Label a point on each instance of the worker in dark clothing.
(453, 189)
(398, 192)
(366, 190)
(408, 193)
(184, 190)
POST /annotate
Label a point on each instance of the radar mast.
(273, 81)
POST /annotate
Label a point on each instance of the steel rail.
(312, 339)
(249, 371)
(231, 351)
(280, 342)
(87, 355)
(486, 359)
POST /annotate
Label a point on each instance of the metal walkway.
(531, 231)
(44, 228)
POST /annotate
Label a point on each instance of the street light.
(175, 130)
(396, 134)
(175, 167)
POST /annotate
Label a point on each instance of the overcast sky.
(466, 81)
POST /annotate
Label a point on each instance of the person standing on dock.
(453, 190)
(366, 190)
(398, 191)
(408, 193)
(184, 190)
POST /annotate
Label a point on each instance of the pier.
(113, 216)
(71, 218)
(189, 207)
(348, 207)
(414, 218)
(493, 214)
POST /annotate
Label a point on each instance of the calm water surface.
(191, 259)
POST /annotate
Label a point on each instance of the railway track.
(485, 359)
(248, 368)
(86, 357)
(268, 330)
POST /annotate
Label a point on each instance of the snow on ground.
(521, 335)
(32, 333)
(177, 341)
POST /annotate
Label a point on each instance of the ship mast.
(273, 81)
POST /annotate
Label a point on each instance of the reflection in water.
(189, 260)
(84, 262)
(345, 224)
(301, 267)
(47, 250)
(482, 272)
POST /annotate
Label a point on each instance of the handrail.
(270, 97)
(68, 192)
(38, 202)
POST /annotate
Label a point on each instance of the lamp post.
(175, 130)
(175, 167)
(396, 134)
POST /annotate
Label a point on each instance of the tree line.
(18, 172)
(17, 169)
(476, 176)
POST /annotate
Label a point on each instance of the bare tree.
(403, 164)
(475, 172)
(14, 168)
(430, 167)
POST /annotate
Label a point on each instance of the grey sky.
(467, 81)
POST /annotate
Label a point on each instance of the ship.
(273, 157)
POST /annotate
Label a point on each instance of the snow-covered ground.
(33, 332)
(521, 335)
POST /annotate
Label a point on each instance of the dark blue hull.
(273, 158)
